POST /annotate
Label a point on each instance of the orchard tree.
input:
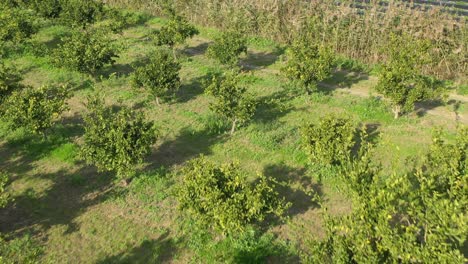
(160, 75)
(174, 33)
(81, 12)
(9, 81)
(331, 141)
(85, 51)
(418, 217)
(116, 140)
(308, 63)
(16, 24)
(220, 196)
(228, 47)
(400, 80)
(232, 101)
(35, 109)
(48, 8)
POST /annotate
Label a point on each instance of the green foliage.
(308, 63)
(117, 19)
(19, 250)
(331, 141)
(9, 81)
(219, 196)
(160, 75)
(175, 32)
(247, 247)
(81, 12)
(85, 51)
(399, 78)
(233, 102)
(35, 109)
(419, 217)
(228, 47)
(116, 140)
(4, 196)
(47, 8)
(16, 24)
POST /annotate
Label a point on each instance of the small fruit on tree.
(308, 63)
(331, 141)
(228, 47)
(16, 25)
(116, 140)
(9, 81)
(232, 101)
(220, 196)
(417, 217)
(400, 80)
(35, 109)
(160, 75)
(85, 51)
(175, 32)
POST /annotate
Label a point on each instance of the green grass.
(77, 214)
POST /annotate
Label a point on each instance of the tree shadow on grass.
(69, 195)
(187, 145)
(422, 108)
(20, 152)
(343, 80)
(259, 60)
(295, 187)
(200, 49)
(160, 250)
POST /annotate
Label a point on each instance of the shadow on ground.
(160, 250)
(294, 186)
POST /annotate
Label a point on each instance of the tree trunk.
(233, 128)
(396, 111)
(157, 101)
(174, 53)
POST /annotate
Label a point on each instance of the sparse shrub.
(16, 24)
(160, 75)
(85, 51)
(232, 101)
(399, 78)
(221, 197)
(331, 141)
(308, 63)
(116, 140)
(228, 47)
(175, 32)
(35, 109)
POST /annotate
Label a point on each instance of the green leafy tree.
(174, 33)
(81, 12)
(400, 80)
(9, 81)
(16, 24)
(220, 196)
(232, 101)
(160, 75)
(35, 109)
(331, 141)
(116, 140)
(85, 51)
(308, 63)
(228, 47)
(418, 217)
(47, 8)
